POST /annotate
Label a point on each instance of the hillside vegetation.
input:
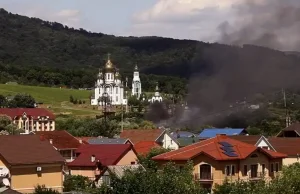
(57, 99)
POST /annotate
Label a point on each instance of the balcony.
(203, 176)
(253, 176)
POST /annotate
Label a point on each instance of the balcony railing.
(203, 176)
(256, 175)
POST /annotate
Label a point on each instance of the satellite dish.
(6, 182)
(4, 172)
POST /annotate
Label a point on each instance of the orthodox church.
(110, 86)
(157, 97)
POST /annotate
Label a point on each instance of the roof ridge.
(189, 149)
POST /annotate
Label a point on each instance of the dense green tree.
(3, 101)
(147, 162)
(76, 183)
(43, 190)
(169, 180)
(22, 101)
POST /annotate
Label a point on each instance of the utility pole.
(287, 115)
(122, 118)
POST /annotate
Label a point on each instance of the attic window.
(254, 156)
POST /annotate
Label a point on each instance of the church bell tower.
(136, 83)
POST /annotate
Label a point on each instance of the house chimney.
(51, 141)
(80, 141)
(93, 158)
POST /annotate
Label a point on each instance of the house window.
(254, 156)
(117, 90)
(232, 169)
(265, 147)
(227, 170)
(245, 172)
(263, 168)
(276, 167)
(272, 167)
(132, 163)
(180, 168)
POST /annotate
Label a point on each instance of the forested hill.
(33, 51)
(32, 41)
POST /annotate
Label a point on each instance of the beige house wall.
(290, 160)
(25, 178)
(89, 172)
(128, 158)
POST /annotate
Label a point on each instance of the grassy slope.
(56, 98)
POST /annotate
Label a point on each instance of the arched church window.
(117, 90)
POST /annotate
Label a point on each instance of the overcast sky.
(184, 19)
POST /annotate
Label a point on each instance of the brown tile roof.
(32, 112)
(286, 145)
(138, 135)
(251, 139)
(27, 149)
(60, 139)
(212, 148)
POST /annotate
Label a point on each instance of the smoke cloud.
(231, 76)
(270, 23)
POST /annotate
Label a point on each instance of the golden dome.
(109, 67)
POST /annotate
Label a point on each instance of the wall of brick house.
(128, 158)
(25, 178)
(84, 171)
(290, 160)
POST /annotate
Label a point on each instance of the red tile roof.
(251, 139)
(138, 135)
(212, 148)
(32, 112)
(61, 140)
(107, 154)
(27, 149)
(289, 146)
(144, 147)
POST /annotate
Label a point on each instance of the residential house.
(288, 146)
(144, 147)
(62, 141)
(209, 133)
(116, 170)
(161, 137)
(257, 140)
(291, 131)
(27, 161)
(93, 159)
(30, 119)
(105, 140)
(222, 157)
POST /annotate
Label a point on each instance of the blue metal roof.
(208, 133)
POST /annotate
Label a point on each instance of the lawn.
(55, 98)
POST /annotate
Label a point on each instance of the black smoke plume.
(271, 23)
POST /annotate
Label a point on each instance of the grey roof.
(107, 141)
(119, 170)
